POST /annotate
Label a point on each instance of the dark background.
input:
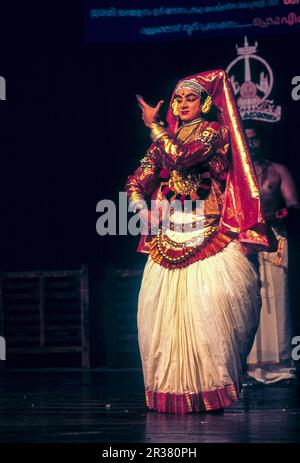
(71, 133)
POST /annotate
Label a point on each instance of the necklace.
(194, 121)
(187, 131)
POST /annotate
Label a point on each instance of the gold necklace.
(194, 121)
(189, 134)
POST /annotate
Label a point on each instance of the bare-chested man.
(270, 358)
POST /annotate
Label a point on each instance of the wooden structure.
(45, 312)
(121, 288)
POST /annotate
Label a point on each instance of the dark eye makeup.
(189, 98)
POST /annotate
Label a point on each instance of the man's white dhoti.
(270, 358)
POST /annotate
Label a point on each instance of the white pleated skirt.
(196, 326)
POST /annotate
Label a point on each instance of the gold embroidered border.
(173, 257)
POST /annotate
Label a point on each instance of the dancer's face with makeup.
(189, 105)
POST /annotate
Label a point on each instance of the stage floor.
(108, 406)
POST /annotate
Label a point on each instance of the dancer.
(199, 302)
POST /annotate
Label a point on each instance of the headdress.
(242, 213)
(192, 84)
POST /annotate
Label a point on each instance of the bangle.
(157, 131)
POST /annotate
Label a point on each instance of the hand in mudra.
(149, 113)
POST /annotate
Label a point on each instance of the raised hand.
(149, 113)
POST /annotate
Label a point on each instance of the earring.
(175, 108)
(207, 105)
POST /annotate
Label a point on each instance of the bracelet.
(157, 131)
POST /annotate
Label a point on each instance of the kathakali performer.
(199, 301)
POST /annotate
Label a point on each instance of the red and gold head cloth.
(242, 214)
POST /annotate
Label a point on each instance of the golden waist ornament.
(184, 185)
(172, 254)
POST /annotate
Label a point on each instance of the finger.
(158, 106)
(141, 101)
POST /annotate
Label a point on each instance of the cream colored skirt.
(196, 326)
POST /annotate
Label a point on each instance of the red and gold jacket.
(192, 165)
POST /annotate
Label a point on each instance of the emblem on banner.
(252, 81)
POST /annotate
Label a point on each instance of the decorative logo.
(252, 81)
